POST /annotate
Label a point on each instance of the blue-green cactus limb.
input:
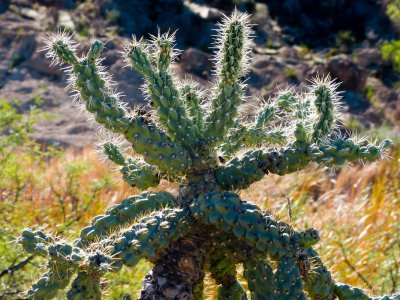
(92, 84)
(241, 172)
(193, 96)
(326, 104)
(222, 268)
(124, 213)
(318, 282)
(260, 279)
(232, 64)
(50, 283)
(134, 171)
(164, 96)
(251, 137)
(156, 147)
(347, 292)
(227, 212)
(86, 285)
(288, 284)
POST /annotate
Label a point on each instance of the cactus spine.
(195, 141)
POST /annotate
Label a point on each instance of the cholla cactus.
(211, 152)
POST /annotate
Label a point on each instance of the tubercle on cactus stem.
(205, 146)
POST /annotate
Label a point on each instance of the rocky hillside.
(294, 41)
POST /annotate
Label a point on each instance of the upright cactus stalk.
(207, 227)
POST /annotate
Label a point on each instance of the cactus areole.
(201, 142)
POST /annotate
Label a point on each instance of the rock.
(195, 61)
(369, 58)
(288, 52)
(347, 71)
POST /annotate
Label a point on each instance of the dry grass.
(356, 211)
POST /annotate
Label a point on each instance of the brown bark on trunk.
(178, 271)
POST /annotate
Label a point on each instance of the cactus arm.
(223, 112)
(250, 137)
(347, 292)
(50, 283)
(135, 172)
(192, 97)
(164, 52)
(150, 236)
(233, 49)
(260, 278)
(151, 142)
(223, 270)
(163, 95)
(326, 104)
(232, 62)
(318, 282)
(139, 174)
(124, 213)
(227, 212)
(288, 281)
(86, 285)
(88, 78)
(240, 173)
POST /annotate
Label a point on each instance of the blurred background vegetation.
(51, 177)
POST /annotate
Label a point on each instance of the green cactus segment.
(241, 172)
(85, 286)
(232, 49)
(151, 236)
(347, 292)
(260, 278)
(113, 153)
(232, 56)
(139, 174)
(156, 147)
(164, 98)
(135, 172)
(95, 91)
(60, 50)
(39, 243)
(171, 110)
(266, 114)
(288, 284)
(251, 137)
(325, 105)
(137, 55)
(234, 291)
(164, 52)
(223, 113)
(308, 238)
(223, 270)
(340, 151)
(192, 97)
(318, 282)
(226, 211)
(124, 213)
(55, 279)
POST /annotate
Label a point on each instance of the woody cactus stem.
(206, 227)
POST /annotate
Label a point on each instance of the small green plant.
(290, 72)
(393, 12)
(344, 40)
(391, 51)
(212, 153)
